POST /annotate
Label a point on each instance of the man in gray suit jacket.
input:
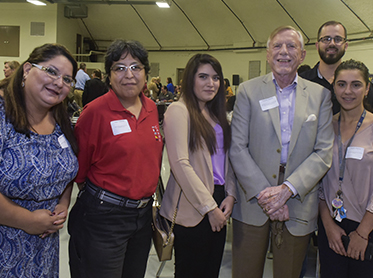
(281, 147)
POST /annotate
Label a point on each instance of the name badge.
(120, 127)
(268, 103)
(63, 141)
(355, 153)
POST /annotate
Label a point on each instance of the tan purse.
(163, 236)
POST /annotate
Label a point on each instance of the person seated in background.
(177, 93)
(94, 87)
(229, 106)
(10, 67)
(228, 89)
(165, 95)
(148, 95)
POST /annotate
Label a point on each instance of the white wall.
(22, 15)
(58, 29)
(67, 29)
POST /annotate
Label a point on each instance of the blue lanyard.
(342, 158)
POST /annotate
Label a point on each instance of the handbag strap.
(173, 220)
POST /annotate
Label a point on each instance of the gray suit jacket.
(256, 150)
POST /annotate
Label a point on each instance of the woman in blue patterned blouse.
(37, 162)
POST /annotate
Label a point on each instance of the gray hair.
(284, 28)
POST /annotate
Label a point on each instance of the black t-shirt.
(312, 75)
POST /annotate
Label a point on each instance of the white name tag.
(268, 103)
(120, 126)
(63, 141)
(355, 153)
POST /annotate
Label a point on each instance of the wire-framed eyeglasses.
(120, 69)
(54, 74)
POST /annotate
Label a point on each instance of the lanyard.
(342, 158)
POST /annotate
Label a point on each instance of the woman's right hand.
(41, 222)
(217, 219)
(334, 234)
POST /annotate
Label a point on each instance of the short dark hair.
(169, 80)
(120, 47)
(333, 23)
(97, 73)
(82, 66)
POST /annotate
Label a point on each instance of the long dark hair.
(14, 95)
(200, 128)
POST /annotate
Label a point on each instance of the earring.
(23, 82)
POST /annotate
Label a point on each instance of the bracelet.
(360, 235)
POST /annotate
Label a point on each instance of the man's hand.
(281, 214)
(273, 198)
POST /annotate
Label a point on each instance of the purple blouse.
(218, 158)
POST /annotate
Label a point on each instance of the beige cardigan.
(190, 172)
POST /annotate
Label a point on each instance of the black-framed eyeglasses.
(120, 69)
(337, 40)
(54, 74)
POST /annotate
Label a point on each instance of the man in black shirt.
(331, 45)
(94, 87)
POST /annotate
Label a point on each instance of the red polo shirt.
(118, 152)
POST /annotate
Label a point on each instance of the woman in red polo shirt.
(119, 164)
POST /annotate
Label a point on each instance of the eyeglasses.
(54, 74)
(337, 40)
(120, 69)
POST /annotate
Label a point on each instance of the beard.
(331, 59)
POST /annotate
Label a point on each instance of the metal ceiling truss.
(153, 2)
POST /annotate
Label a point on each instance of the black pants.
(199, 250)
(108, 240)
(333, 265)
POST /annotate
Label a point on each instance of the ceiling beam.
(86, 2)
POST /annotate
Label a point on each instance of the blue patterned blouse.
(33, 173)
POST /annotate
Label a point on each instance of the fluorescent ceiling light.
(36, 2)
(163, 4)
